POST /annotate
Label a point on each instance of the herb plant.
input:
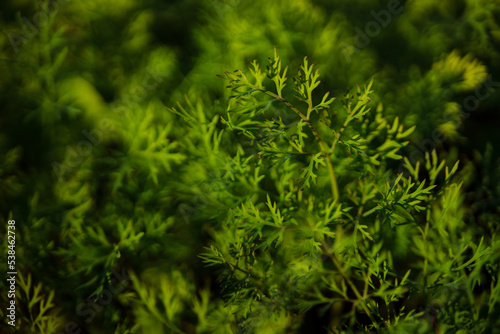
(333, 229)
(281, 209)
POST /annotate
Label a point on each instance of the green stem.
(342, 272)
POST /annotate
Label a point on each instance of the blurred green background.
(92, 165)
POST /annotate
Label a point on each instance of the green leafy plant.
(371, 251)
(37, 310)
(285, 209)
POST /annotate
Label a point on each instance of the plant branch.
(342, 272)
(324, 147)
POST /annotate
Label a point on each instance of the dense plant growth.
(278, 204)
(382, 247)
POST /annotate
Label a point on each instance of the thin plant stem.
(322, 144)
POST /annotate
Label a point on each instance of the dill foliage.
(334, 229)
(285, 208)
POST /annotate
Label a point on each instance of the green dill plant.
(334, 231)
